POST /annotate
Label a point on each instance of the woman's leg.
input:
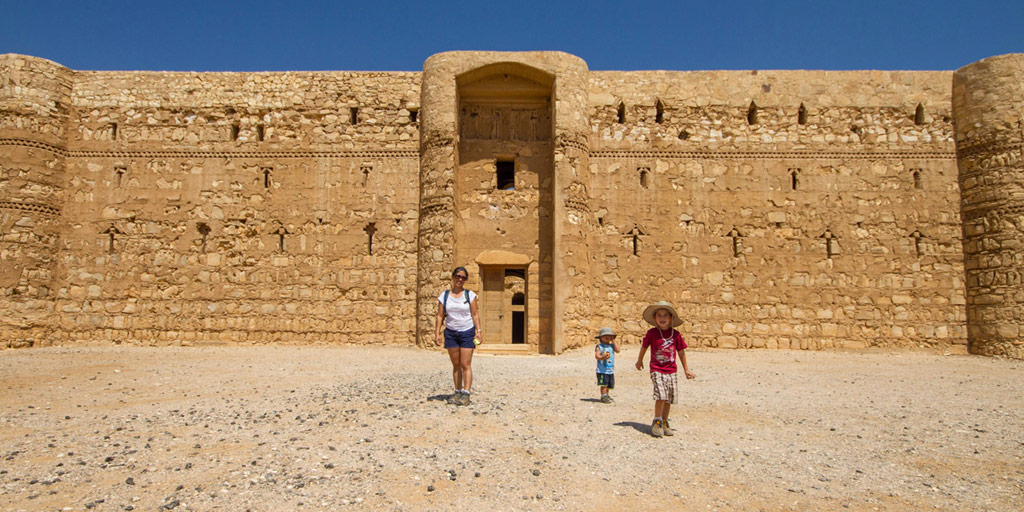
(453, 354)
(466, 363)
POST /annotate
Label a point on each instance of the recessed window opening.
(794, 178)
(113, 131)
(506, 173)
(235, 129)
(659, 112)
(413, 115)
(259, 132)
(919, 115)
(353, 115)
(644, 171)
(752, 114)
(267, 171)
(621, 113)
(917, 179)
(801, 115)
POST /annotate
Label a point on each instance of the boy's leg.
(660, 407)
(604, 390)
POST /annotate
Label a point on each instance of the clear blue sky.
(386, 35)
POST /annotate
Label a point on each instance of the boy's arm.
(640, 358)
(686, 369)
(615, 343)
(597, 352)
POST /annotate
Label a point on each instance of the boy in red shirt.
(664, 341)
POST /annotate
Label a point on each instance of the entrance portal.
(503, 304)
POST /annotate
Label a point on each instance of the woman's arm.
(438, 322)
(474, 311)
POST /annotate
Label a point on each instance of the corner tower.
(503, 141)
(34, 103)
(988, 109)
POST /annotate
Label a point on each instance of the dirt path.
(312, 428)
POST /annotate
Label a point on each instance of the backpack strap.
(444, 304)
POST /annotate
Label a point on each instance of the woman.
(457, 311)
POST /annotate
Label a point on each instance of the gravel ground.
(315, 428)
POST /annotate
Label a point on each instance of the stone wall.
(988, 102)
(781, 209)
(778, 209)
(228, 207)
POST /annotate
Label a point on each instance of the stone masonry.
(774, 209)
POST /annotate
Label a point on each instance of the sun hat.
(649, 313)
(606, 331)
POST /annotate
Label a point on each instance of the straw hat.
(649, 313)
(606, 331)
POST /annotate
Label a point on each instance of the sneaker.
(465, 399)
(453, 399)
(665, 429)
(656, 429)
(606, 399)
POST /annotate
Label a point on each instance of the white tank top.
(459, 317)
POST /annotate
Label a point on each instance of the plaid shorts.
(664, 386)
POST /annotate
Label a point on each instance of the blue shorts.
(606, 380)
(460, 339)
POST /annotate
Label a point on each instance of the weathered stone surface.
(778, 209)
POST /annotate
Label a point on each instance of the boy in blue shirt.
(605, 355)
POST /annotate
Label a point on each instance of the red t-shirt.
(663, 346)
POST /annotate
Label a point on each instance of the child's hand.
(690, 375)
(639, 365)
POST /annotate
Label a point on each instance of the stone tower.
(988, 109)
(35, 96)
(488, 114)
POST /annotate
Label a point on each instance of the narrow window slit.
(794, 178)
(752, 114)
(235, 130)
(260, 130)
(267, 172)
(622, 113)
(370, 229)
(203, 230)
(119, 173)
(919, 115)
(366, 170)
(659, 112)
(644, 180)
(353, 115)
(801, 115)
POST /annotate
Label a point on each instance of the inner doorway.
(503, 304)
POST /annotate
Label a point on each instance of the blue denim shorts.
(461, 339)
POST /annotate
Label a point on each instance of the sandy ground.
(313, 428)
